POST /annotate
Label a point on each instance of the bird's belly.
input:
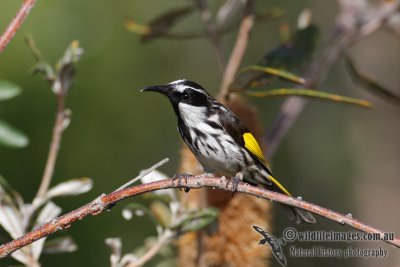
(216, 165)
(219, 156)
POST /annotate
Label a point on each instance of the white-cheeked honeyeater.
(220, 141)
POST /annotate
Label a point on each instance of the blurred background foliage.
(338, 156)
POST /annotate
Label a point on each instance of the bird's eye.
(185, 96)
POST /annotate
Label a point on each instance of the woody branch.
(104, 202)
(16, 23)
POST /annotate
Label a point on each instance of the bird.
(220, 141)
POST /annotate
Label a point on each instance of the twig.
(144, 173)
(239, 49)
(16, 23)
(103, 202)
(212, 32)
(59, 127)
(161, 241)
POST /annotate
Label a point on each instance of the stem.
(54, 145)
(104, 202)
(162, 240)
(212, 32)
(16, 23)
(239, 49)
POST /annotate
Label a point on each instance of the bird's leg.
(235, 181)
(180, 177)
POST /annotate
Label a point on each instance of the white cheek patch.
(196, 117)
(192, 115)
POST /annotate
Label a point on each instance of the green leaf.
(71, 56)
(41, 66)
(293, 53)
(63, 244)
(135, 27)
(8, 90)
(62, 75)
(161, 25)
(196, 220)
(276, 72)
(5, 187)
(11, 137)
(313, 94)
(9, 195)
(6, 193)
(369, 84)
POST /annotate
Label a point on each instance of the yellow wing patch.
(251, 144)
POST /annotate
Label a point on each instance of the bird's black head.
(183, 91)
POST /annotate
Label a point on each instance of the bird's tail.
(298, 215)
(295, 214)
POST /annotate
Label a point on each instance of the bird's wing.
(235, 128)
(250, 143)
(241, 135)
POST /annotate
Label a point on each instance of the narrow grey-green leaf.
(304, 92)
(162, 24)
(70, 187)
(115, 245)
(60, 245)
(50, 211)
(10, 219)
(370, 84)
(11, 137)
(8, 90)
(196, 220)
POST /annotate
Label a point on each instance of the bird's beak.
(163, 89)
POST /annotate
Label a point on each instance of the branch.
(61, 78)
(239, 49)
(212, 32)
(104, 202)
(16, 23)
(59, 127)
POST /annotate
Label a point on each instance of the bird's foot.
(235, 180)
(180, 177)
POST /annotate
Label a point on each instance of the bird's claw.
(180, 177)
(235, 180)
